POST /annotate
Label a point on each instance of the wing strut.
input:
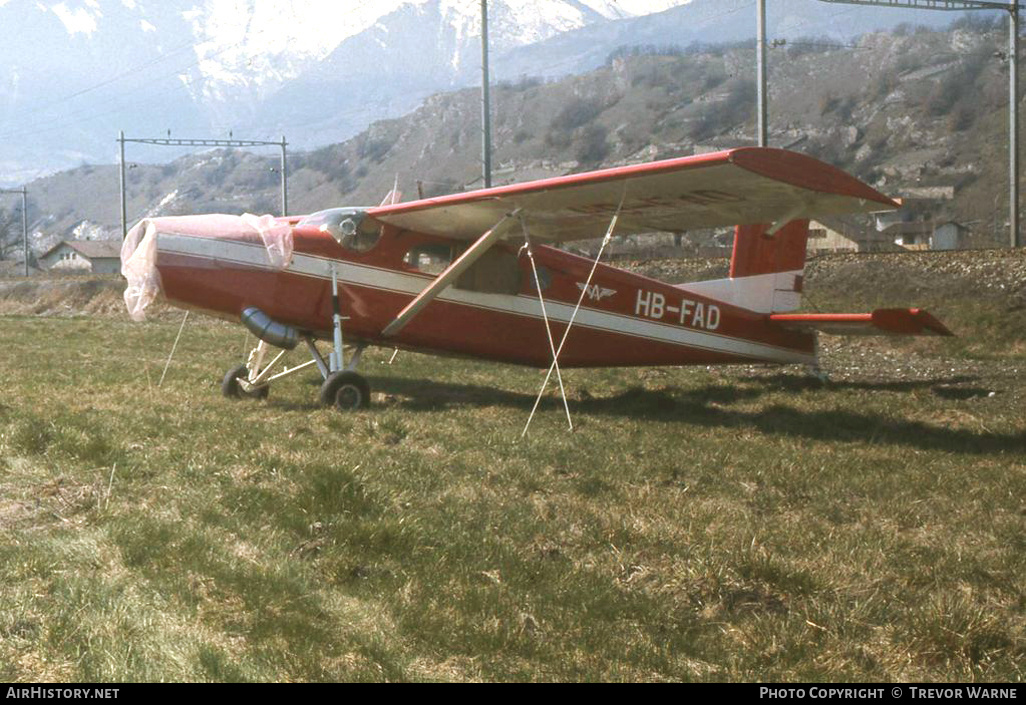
(545, 317)
(793, 214)
(573, 317)
(449, 275)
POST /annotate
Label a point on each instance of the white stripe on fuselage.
(233, 252)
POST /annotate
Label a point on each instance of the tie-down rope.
(573, 317)
(548, 326)
(173, 348)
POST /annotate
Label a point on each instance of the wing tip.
(806, 172)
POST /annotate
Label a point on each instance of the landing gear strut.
(343, 388)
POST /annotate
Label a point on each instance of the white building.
(949, 236)
(928, 235)
(83, 257)
(837, 234)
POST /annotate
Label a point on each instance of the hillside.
(319, 71)
(902, 110)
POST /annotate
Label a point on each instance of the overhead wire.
(77, 116)
(108, 81)
(65, 119)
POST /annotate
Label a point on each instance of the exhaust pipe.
(268, 330)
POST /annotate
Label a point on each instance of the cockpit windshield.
(350, 227)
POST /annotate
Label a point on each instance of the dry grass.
(726, 524)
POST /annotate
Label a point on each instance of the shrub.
(592, 145)
(577, 113)
(374, 149)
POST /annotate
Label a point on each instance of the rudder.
(758, 253)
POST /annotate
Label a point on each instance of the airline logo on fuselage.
(596, 292)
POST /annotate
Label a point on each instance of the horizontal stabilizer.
(883, 321)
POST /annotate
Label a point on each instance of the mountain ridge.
(904, 111)
(315, 70)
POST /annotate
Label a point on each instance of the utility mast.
(486, 110)
(761, 93)
(168, 142)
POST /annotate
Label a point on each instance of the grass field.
(729, 524)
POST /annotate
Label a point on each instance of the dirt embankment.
(998, 276)
(62, 296)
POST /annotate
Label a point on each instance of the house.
(841, 235)
(914, 200)
(83, 256)
(926, 235)
(950, 236)
(911, 236)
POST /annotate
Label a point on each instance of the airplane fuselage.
(492, 312)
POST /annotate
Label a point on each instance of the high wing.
(735, 187)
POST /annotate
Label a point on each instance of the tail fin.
(766, 270)
(756, 253)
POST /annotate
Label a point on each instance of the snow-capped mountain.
(75, 72)
(279, 42)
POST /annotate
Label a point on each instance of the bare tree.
(10, 236)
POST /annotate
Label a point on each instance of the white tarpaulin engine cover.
(139, 251)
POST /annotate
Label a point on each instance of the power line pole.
(168, 142)
(761, 92)
(1015, 240)
(24, 222)
(486, 110)
(1012, 8)
(24, 227)
(284, 180)
(121, 190)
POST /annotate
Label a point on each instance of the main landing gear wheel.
(232, 389)
(345, 390)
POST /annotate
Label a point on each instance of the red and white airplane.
(475, 274)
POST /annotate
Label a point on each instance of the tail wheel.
(345, 390)
(231, 388)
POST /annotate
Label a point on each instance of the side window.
(497, 272)
(429, 258)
